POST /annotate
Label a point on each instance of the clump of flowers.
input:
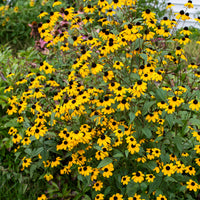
(112, 107)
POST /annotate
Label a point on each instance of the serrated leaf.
(37, 151)
(105, 162)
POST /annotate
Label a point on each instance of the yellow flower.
(26, 141)
(8, 89)
(56, 3)
(190, 170)
(118, 65)
(150, 177)
(42, 197)
(138, 177)
(31, 3)
(26, 162)
(12, 131)
(16, 9)
(89, 9)
(99, 197)
(193, 66)
(46, 67)
(138, 113)
(168, 169)
(42, 14)
(56, 162)
(98, 185)
(117, 3)
(170, 109)
(189, 4)
(175, 101)
(48, 177)
(107, 170)
(11, 109)
(148, 15)
(152, 117)
(169, 5)
(136, 197)
(125, 180)
(197, 148)
(192, 185)
(194, 105)
(161, 197)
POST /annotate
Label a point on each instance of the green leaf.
(105, 162)
(160, 95)
(178, 143)
(156, 184)
(52, 118)
(170, 179)
(3, 97)
(150, 165)
(146, 106)
(37, 151)
(144, 57)
(26, 123)
(32, 169)
(143, 186)
(131, 188)
(194, 121)
(170, 120)
(11, 123)
(55, 185)
(164, 157)
(132, 117)
(28, 151)
(147, 132)
(86, 197)
(107, 190)
(126, 153)
(118, 155)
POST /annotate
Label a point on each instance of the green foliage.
(108, 107)
(16, 20)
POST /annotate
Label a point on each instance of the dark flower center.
(147, 11)
(195, 102)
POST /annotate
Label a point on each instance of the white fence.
(193, 12)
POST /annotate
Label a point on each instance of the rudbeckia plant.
(115, 105)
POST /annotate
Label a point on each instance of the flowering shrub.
(113, 105)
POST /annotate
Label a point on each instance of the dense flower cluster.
(114, 106)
